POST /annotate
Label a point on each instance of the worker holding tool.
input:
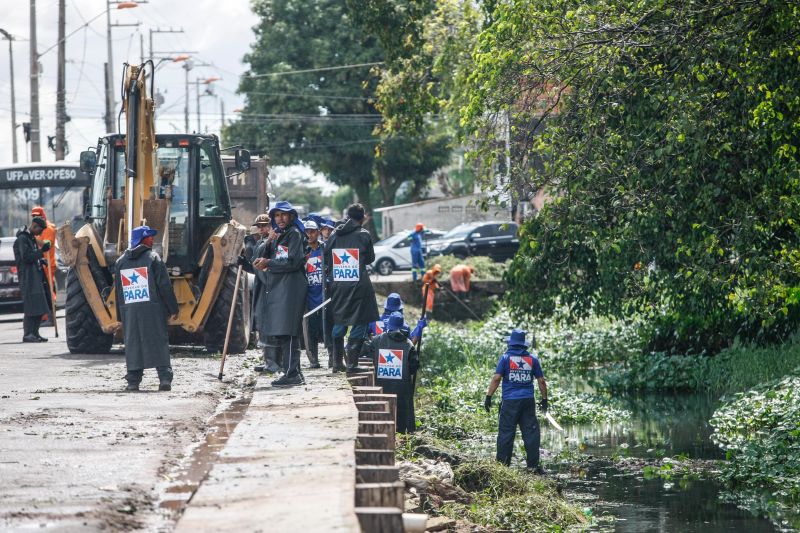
(265, 233)
(32, 279)
(396, 362)
(314, 296)
(516, 369)
(347, 254)
(281, 268)
(394, 304)
(145, 300)
(417, 256)
(460, 277)
(431, 279)
(48, 234)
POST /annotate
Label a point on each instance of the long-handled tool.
(52, 296)
(462, 303)
(306, 316)
(230, 322)
(419, 340)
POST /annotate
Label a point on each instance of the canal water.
(659, 426)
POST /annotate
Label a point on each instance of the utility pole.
(159, 30)
(36, 154)
(7, 35)
(187, 66)
(110, 105)
(61, 107)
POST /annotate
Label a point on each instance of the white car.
(394, 252)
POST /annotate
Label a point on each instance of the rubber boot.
(354, 348)
(270, 359)
(338, 348)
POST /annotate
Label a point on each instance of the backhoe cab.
(175, 184)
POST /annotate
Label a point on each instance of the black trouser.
(315, 334)
(288, 346)
(30, 325)
(520, 413)
(134, 377)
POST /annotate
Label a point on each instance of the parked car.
(394, 252)
(9, 280)
(497, 240)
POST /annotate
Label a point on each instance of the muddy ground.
(79, 454)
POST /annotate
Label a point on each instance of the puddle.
(185, 482)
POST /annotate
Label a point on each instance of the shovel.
(230, 321)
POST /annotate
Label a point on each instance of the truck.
(177, 185)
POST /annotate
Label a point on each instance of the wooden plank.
(376, 473)
(376, 397)
(380, 519)
(373, 427)
(380, 406)
(375, 415)
(367, 390)
(379, 441)
(380, 494)
(375, 457)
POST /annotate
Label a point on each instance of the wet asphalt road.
(79, 454)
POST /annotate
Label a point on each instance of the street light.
(8, 36)
(127, 5)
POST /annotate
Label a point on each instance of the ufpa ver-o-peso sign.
(42, 176)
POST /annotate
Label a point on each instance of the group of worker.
(313, 269)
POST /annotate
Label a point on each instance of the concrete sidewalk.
(288, 466)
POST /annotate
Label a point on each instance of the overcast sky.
(220, 33)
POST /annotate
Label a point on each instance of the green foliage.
(732, 370)
(299, 194)
(511, 500)
(760, 431)
(666, 135)
(324, 118)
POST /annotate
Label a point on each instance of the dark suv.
(9, 281)
(497, 240)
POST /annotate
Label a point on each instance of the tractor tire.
(217, 323)
(84, 335)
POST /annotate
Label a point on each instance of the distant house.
(438, 213)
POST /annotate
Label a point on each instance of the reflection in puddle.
(183, 485)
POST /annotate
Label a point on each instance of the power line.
(306, 71)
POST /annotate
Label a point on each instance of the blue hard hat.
(393, 303)
(394, 322)
(142, 232)
(517, 338)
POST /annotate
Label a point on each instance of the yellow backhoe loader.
(175, 184)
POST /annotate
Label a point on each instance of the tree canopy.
(669, 152)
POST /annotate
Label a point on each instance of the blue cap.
(393, 303)
(142, 232)
(517, 338)
(394, 322)
(329, 223)
(316, 218)
(286, 207)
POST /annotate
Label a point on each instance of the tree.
(323, 118)
(669, 149)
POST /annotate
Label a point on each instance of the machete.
(553, 422)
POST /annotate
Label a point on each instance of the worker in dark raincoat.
(281, 267)
(32, 282)
(145, 300)
(347, 254)
(259, 309)
(396, 361)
